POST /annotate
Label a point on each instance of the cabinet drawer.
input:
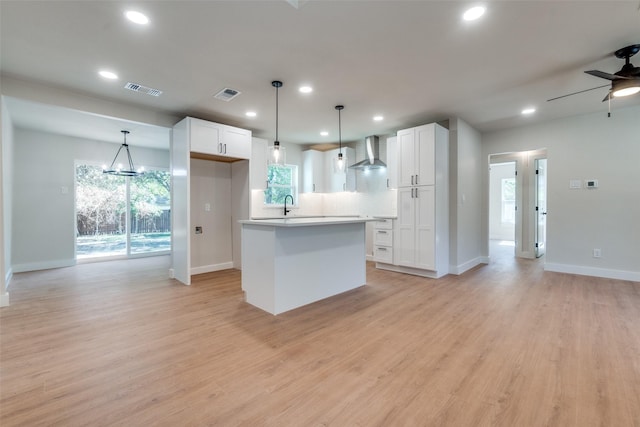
(383, 237)
(383, 254)
(383, 224)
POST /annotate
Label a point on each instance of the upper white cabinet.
(312, 171)
(319, 174)
(392, 162)
(336, 181)
(218, 139)
(416, 155)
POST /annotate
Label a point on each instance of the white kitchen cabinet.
(210, 192)
(258, 173)
(383, 241)
(416, 150)
(218, 140)
(421, 230)
(392, 162)
(337, 181)
(313, 176)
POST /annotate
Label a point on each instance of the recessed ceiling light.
(108, 74)
(528, 111)
(137, 17)
(473, 13)
(250, 114)
(324, 133)
(378, 118)
(306, 89)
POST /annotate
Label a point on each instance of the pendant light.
(340, 163)
(276, 152)
(118, 169)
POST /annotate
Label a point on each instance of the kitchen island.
(288, 263)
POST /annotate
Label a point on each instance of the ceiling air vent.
(143, 89)
(227, 94)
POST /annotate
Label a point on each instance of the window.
(116, 215)
(282, 181)
(508, 191)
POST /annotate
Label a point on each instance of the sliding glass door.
(121, 216)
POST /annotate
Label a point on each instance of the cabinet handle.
(314, 187)
(411, 179)
(387, 182)
(382, 232)
(225, 148)
(382, 249)
(220, 147)
(416, 179)
(416, 193)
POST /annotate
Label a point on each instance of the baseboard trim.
(4, 299)
(461, 268)
(211, 267)
(606, 273)
(410, 270)
(34, 266)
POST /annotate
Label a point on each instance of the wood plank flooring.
(506, 344)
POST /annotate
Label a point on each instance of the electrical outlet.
(597, 253)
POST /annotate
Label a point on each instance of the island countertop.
(308, 221)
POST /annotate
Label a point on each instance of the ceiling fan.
(624, 82)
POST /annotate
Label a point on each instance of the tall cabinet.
(210, 194)
(421, 231)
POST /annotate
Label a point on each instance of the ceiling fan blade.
(575, 93)
(603, 75)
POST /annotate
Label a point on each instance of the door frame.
(525, 198)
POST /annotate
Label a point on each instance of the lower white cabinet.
(383, 241)
(416, 227)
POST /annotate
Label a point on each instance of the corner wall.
(6, 171)
(590, 146)
(465, 197)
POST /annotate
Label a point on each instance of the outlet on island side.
(597, 253)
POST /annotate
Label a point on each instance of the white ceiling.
(411, 61)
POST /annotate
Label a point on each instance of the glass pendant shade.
(276, 153)
(340, 163)
(119, 169)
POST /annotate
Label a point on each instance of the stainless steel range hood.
(372, 153)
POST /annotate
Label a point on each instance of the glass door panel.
(101, 225)
(150, 212)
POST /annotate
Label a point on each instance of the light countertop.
(308, 221)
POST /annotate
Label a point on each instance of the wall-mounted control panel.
(576, 184)
(590, 183)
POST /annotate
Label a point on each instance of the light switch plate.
(575, 184)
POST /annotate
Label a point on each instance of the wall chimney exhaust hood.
(372, 153)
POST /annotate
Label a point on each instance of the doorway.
(518, 193)
(502, 208)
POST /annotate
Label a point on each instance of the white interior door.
(541, 206)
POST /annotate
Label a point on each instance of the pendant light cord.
(276, 113)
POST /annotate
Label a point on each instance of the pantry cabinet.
(421, 230)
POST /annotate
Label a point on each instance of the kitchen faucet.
(285, 203)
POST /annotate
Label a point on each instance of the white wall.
(465, 197)
(43, 224)
(497, 229)
(6, 170)
(585, 147)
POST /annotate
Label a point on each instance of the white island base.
(288, 263)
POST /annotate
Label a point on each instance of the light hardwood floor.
(506, 344)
